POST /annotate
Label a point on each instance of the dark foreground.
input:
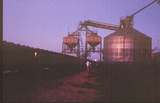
(106, 83)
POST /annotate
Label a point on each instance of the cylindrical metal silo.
(132, 47)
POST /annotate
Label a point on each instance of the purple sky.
(43, 23)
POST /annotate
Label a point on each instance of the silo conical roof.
(133, 32)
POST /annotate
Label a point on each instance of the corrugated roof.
(132, 32)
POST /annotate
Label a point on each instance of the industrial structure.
(71, 44)
(126, 44)
(133, 47)
(93, 44)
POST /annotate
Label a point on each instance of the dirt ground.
(114, 83)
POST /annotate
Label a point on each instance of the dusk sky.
(44, 23)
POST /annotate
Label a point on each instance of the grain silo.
(131, 47)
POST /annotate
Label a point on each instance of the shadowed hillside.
(18, 56)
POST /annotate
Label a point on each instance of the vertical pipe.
(101, 51)
(63, 48)
(78, 46)
(86, 45)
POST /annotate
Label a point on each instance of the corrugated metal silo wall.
(141, 47)
(108, 51)
(105, 52)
